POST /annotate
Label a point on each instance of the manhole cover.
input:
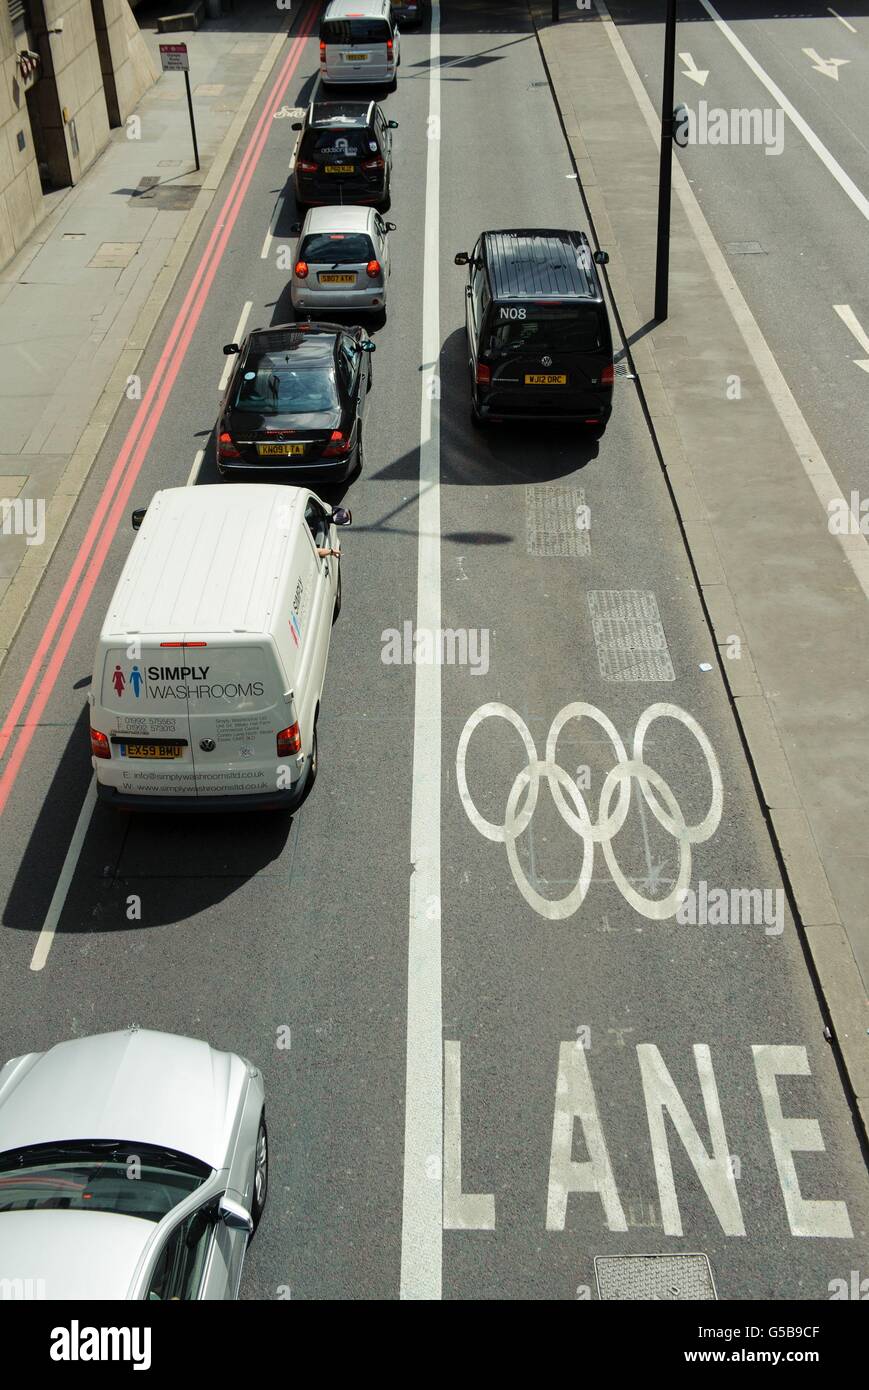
(745, 248)
(556, 520)
(654, 1278)
(629, 635)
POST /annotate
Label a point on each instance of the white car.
(133, 1165)
(342, 262)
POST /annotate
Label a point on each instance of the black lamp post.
(662, 264)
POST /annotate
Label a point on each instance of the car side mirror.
(229, 349)
(390, 226)
(138, 517)
(601, 258)
(461, 259)
(297, 125)
(393, 125)
(296, 228)
(234, 1215)
(367, 345)
(341, 516)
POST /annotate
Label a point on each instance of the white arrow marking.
(698, 75)
(852, 323)
(828, 66)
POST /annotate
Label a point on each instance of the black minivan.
(539, 342)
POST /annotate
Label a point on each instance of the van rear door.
(143, 701)
(547, 354)
(356, 49)
(236, 707)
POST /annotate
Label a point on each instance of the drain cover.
(629, 635)
(654, 1277)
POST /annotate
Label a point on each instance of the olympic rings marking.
(661, 802)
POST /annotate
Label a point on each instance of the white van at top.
(211, 660)
(359, 42)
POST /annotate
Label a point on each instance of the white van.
(211, 659)
(359, 42)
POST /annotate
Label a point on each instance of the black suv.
(344, 154)
(539, 342)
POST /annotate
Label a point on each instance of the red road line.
(139, 436)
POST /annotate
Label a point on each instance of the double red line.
(91, 556)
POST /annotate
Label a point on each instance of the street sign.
(173, 56)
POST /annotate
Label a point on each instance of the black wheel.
(337, 609)
(386, 201)
(476, 419)
(261, 1172)
(314, 765)
(360, 457)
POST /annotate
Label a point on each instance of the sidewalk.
(78, 304)
(750, 490)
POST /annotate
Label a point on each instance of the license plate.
(270, 450)
(357, 57)
(339, 168)
(150, 750)
(337, 279)
(542, 379)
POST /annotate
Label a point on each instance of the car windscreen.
(351, 143)
(98, 1175)
(355, 31)
(278, 384)
(555, 328)
(334, 248)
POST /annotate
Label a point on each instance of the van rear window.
(355, 31)
(561, 328)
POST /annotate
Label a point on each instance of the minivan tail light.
(301, 270)
(484, 374)
(100, 745)
(289, 741)
(389, 48)
(376, 163)
(338, 444)
(307, 166)
(322, 50)
(225, 447)
(607, 376)
(373, 269)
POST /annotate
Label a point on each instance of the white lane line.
(845, 182)
(422, 1203)
(841, 20)
(815, 466)
(853, 324)
(197, 464)
(292, 164)
(239, 334)
(70, 864)
(267, 244)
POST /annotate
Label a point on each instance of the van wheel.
(337, 609)
(360, 457)
(315, 762)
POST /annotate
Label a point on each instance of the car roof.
(206, 560)
(348, 218)
(531, 261)
(356, 9)
(136, 1085)
(72, 1254)
(323, 114)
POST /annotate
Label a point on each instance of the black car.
(539, 342)
(409, 12)
(295, 402)
(344, 154)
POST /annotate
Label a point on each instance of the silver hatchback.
(133, 1165)
(342, 262)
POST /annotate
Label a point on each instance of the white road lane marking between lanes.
(70, 864)
(239, 333)
(197, 464)
(841, 20)
(267, 244)
(422, 1203)
(853, 324)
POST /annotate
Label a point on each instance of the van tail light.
(607, 376)
(389, 49)
(484, 374)
(376, 163)
(289, 741)
(338, 444)
(100, 745)
(307, 166)
(373, 269)
(322, 50)
(301, 270)
(225, 447)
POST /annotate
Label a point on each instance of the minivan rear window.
(337, 248)
(560, 328)
(355, 31)
(336, 142)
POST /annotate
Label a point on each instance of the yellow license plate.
(270, 450)
(541, 379)
(357, 57)
(151, 750)
(337, 279)
(339, 168)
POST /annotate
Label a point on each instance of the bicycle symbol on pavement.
(656, 792)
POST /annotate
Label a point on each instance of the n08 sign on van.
(211, 660)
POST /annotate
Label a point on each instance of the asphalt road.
(249, 926)
(794, 239)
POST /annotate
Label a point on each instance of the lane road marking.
(836, 15)
(239, 334)
(853, 324)
(70, 863)
(276, 217)
(422, 1203)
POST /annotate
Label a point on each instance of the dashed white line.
(239, 334)
(267, 244)
(70, 863)
(854, 326)
(197, 464)
(841, 20)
